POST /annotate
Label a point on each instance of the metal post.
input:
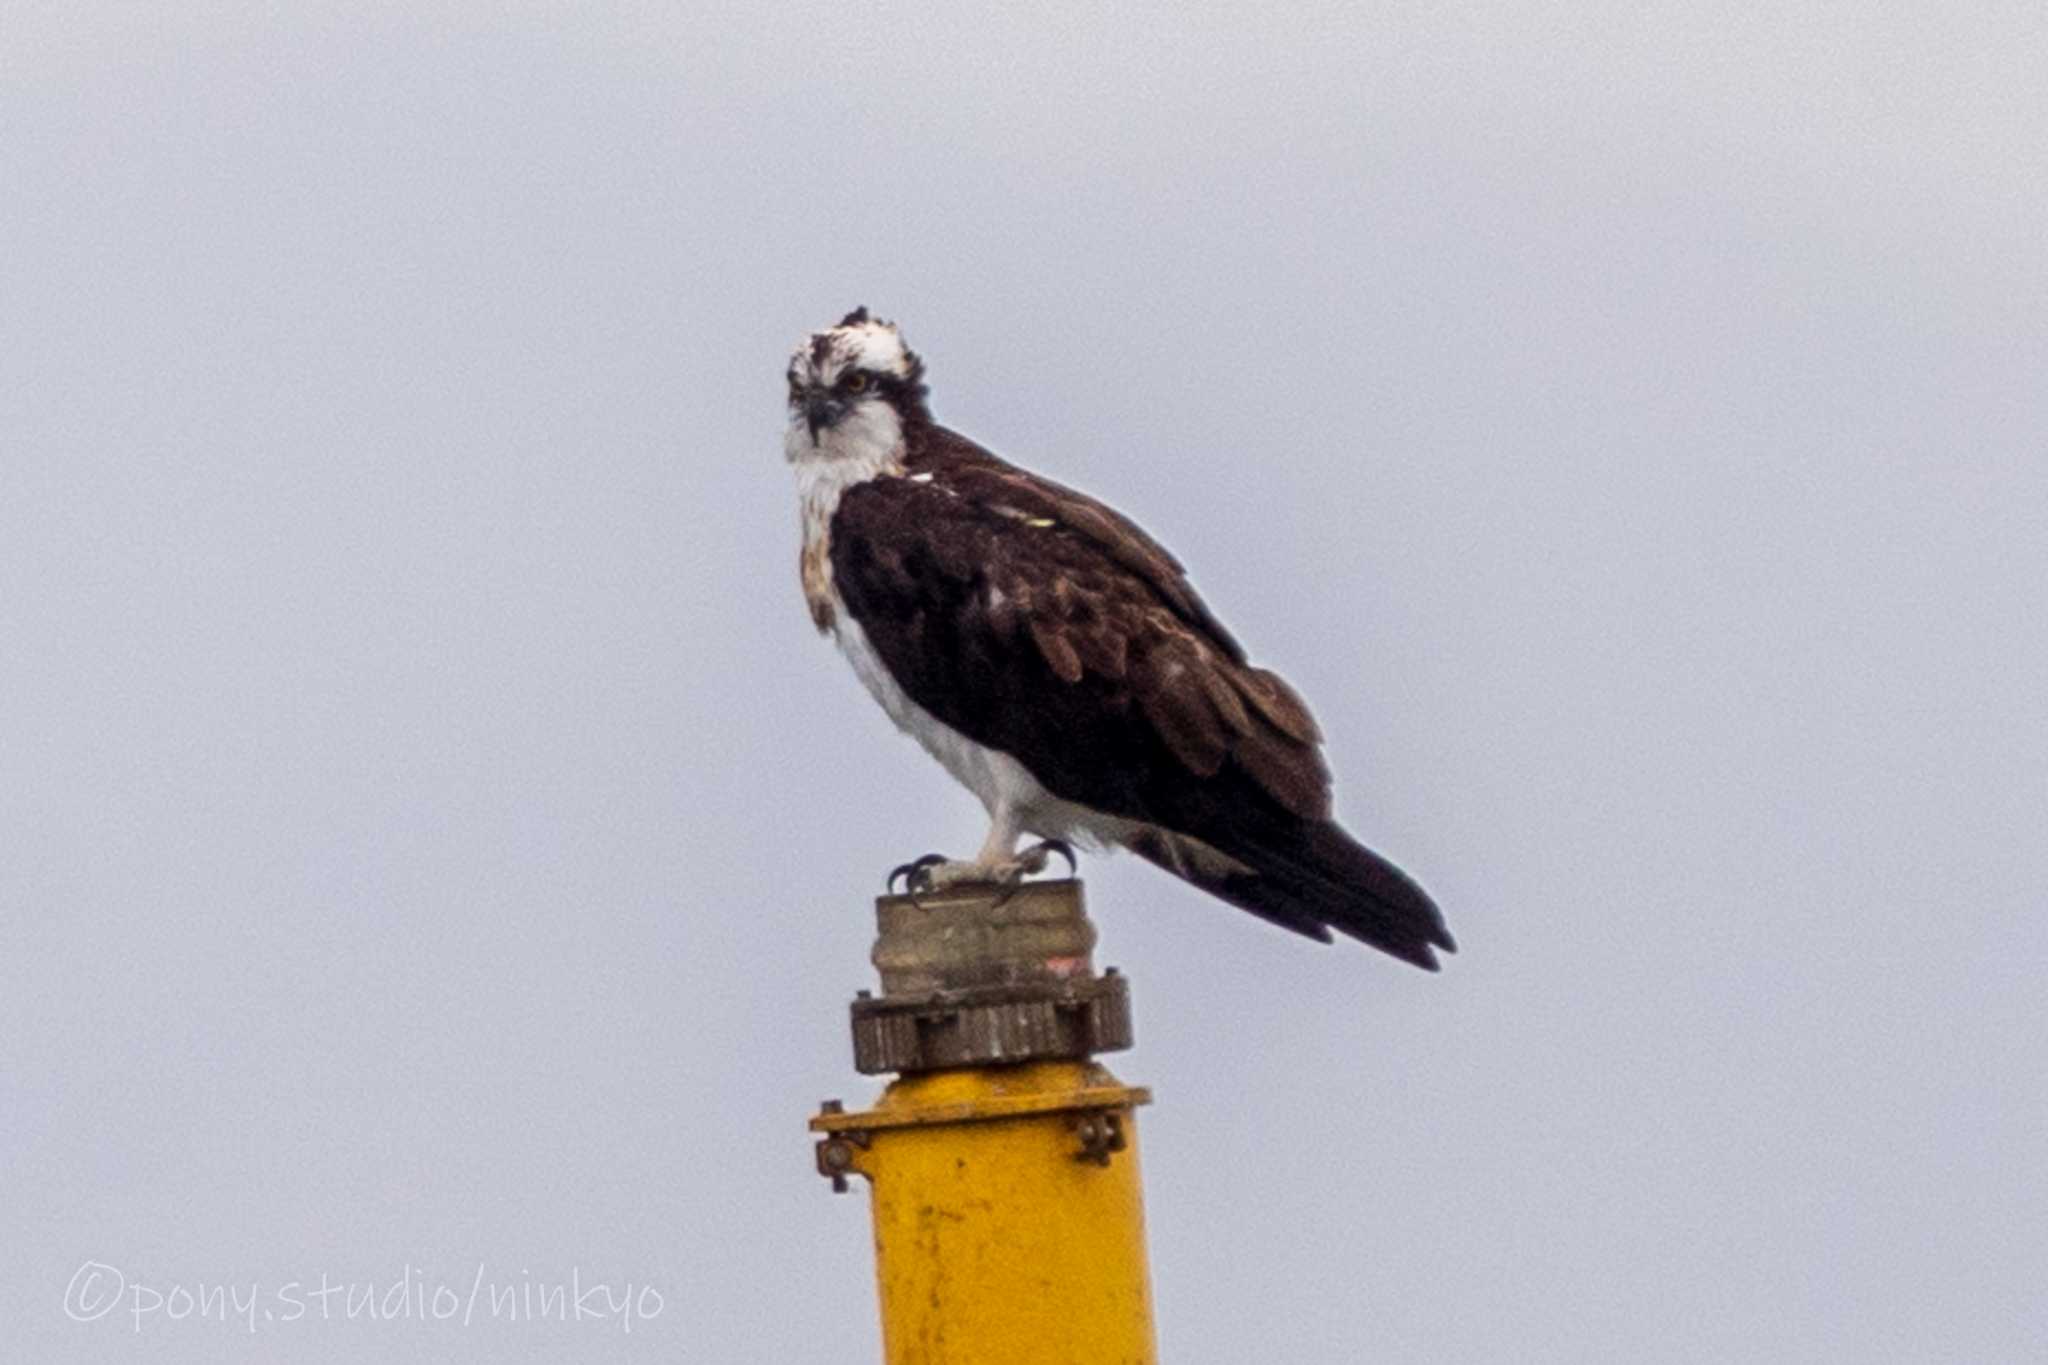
(1003, 1160)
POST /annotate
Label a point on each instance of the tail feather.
(1313, 878)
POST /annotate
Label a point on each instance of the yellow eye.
(857, 382)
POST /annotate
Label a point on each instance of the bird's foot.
(915, 874)
(1031, 861)
(935, 872)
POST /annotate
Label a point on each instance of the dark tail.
(1312, 878)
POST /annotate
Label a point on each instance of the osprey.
(1056, 661)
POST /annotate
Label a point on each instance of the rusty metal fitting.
(974, 976)
(1065, 1021)
(1101, 1133)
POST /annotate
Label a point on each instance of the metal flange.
(1050, 1020)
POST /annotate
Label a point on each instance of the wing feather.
(1172, 697)
(1053, 646)
(1278, 703)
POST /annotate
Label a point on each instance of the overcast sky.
(435, 848)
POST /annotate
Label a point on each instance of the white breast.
(854, 452)
(1004, 786)
(1001, 782)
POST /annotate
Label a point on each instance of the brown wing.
(1037, 621)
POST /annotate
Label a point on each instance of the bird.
(1055, 659)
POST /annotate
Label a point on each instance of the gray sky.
(431, 836)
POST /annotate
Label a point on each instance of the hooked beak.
(821, 410)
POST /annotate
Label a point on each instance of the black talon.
(1059, 846)
(1065, 850)
(913, 874)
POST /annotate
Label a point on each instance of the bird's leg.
(999, 849)
(988, 866)
(1000, 862)
(995, 865)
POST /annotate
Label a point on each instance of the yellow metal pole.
(1003, 1164)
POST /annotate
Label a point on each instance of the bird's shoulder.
(957, 499)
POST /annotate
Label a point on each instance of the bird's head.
(852, 387)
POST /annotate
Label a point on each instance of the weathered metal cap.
(971, 977)
(975, 936)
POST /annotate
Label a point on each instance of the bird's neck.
(866, 444)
